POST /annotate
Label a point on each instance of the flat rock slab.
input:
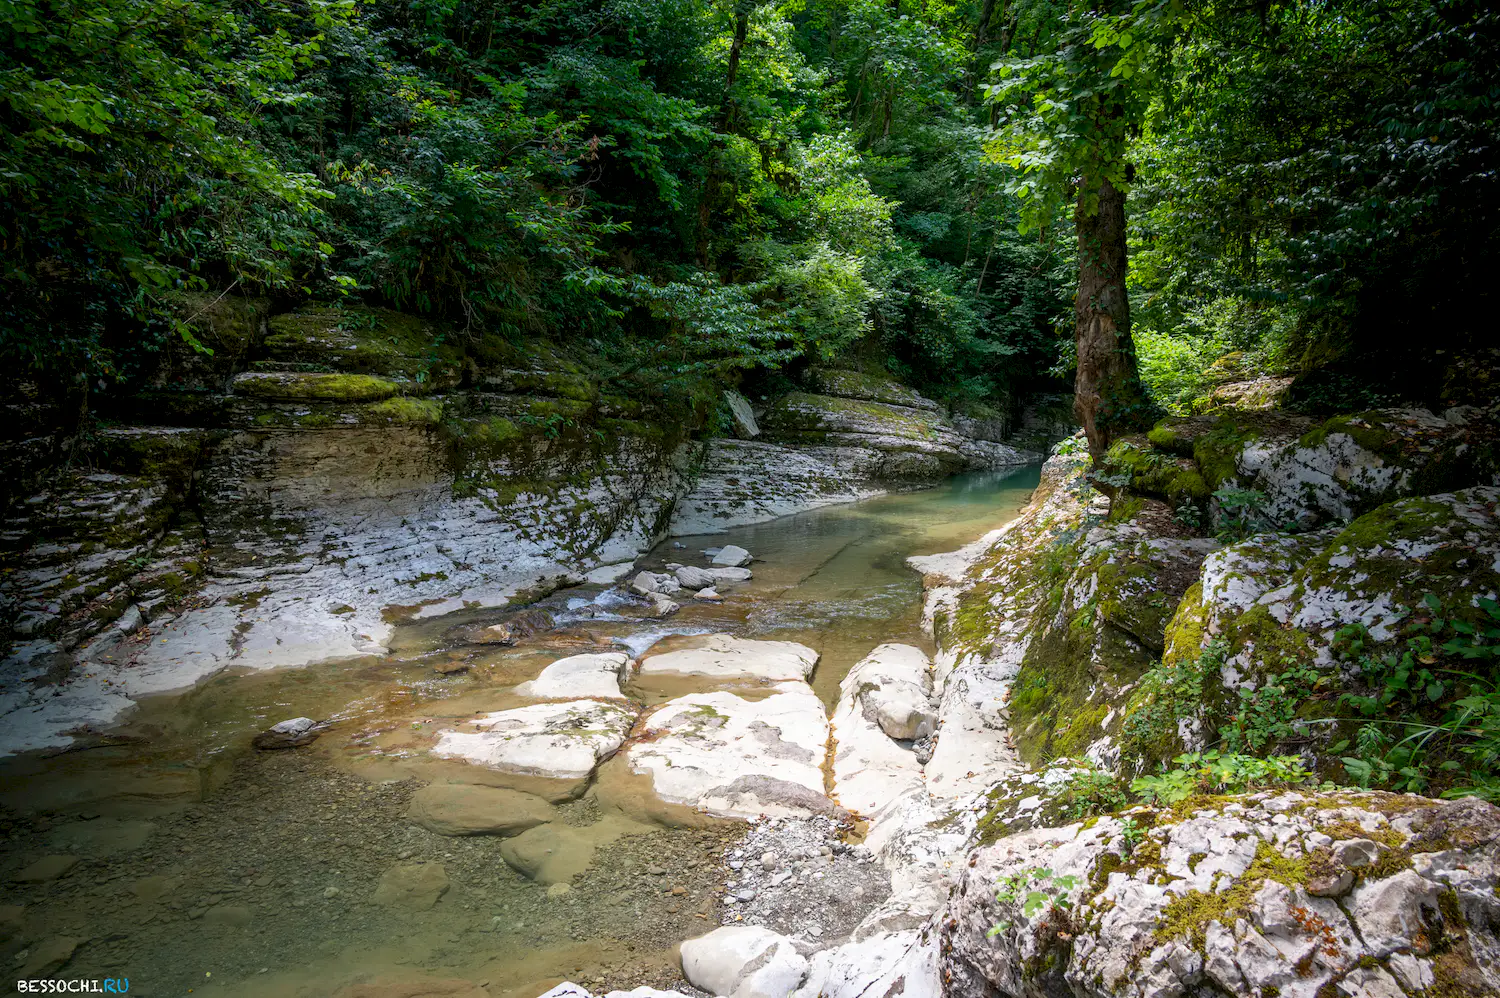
(102, 836)
(734, 757)
(462, 809)
(45, 869)
(415, 886)
(579, 676)
(884, 692)
(562, 741)
(724, 656)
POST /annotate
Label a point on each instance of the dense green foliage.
(700, 186)
(688, 186)
(1316, 184)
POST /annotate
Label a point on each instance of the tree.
(1067, 118)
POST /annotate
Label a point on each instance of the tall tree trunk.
(1108, 397)
(713, 183)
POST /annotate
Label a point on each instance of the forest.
(696, 189)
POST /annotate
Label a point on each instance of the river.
(204, 865)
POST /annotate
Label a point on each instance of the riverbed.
(203, 864)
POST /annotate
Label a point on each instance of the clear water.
(210, 867)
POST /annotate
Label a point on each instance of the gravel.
(801, 877)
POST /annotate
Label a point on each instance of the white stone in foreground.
(563, 741)
(894, 683)
(870, 769)
(567, 989)
(724, 656)
(890, 965)
(744, 961)
(738, 758)
(973, 743)
(579, 676)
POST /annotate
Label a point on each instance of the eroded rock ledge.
(325, 473)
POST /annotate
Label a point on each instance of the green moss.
(1082, 730)
(800, 413)
(364, 340)
(316, 387)
(1217, 451)
(1184, 635)
(409, 411)
(1189, 915)
(1152, 473)
(1165, 437)
(1365, 428)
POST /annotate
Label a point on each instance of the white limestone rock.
(732, 556)
(724, 656)
(745, 426)
(567, 989)
(744, 961)
(894, 964)
(1282, 939)
(881, 693)
(692, 577)
(579, 676)
(738, 757)
(563, 741)
(894, 685)
(649, 583)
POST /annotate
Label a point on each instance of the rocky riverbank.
(327, 473)
(1030, 880)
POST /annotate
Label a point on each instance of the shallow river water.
(205, 866)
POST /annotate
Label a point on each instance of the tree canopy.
(705, 187)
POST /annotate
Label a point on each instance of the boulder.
(462, 809)
(663, 606)
(562, 741)
(413, 886)
(894, 687)
(735, 757)
(647, 583)
(710, 595)
(723, 656)
(578, 676)
(550, 854)
(293, 733)
(732, 556)
(694, 578)
(1217, 896)
(744, 961)
(745, 426)
(870, 769)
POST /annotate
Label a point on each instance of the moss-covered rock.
(366, 341)
(1109, 628)
(230, 328)
(1351, 464)
(868, 387)
(1297, 894)
(1175, 479)
(304, 387)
